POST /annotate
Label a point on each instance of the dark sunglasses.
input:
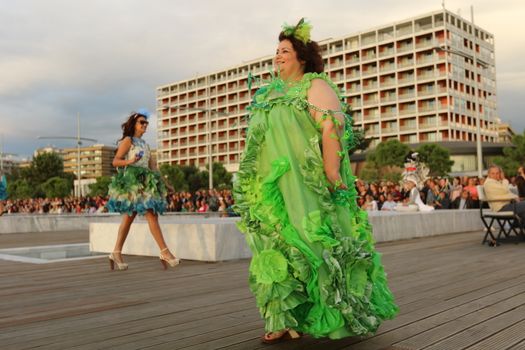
(143, 122)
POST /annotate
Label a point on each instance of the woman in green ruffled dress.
(314, 268)
(136, 189)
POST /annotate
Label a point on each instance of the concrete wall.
(217, 239)
(393, 226)
(20, 223)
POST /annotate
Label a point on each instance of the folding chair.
(508, 221)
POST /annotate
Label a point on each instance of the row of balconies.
(397, 97)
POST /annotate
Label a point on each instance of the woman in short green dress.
(136, 189)
(314, 267)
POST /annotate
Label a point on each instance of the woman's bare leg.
(123, 231)
(154, 227)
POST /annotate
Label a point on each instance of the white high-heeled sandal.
(121, 266)
(166, 261)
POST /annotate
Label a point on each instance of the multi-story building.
(505, 132)
(47, 149)
(398, 81)
(95, 161)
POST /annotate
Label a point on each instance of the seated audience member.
(432, 193)
(520, 182)
(463, 202)
(445, 186)
(442, 201)
(381, 201)
(370, 203)
(413, 202)
(389, 204)
(498, 194)
(471, 187)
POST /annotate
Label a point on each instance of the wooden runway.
(453, 293)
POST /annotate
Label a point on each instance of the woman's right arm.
(122, 150)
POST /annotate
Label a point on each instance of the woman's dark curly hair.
(128, 127)
(309, 53)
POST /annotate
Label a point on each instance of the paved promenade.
(453, 292)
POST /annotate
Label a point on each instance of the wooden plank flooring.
(453, 293)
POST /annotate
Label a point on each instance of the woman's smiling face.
(286, 61)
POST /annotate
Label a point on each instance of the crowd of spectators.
(440, 193)
(71, 205)
(199, 202)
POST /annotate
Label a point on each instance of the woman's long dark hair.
(309, 53)
(128, 127)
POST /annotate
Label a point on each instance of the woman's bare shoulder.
(323, 96)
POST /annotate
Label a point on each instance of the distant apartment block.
(398, 85)
(95, 161)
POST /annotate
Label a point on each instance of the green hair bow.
(301, 31)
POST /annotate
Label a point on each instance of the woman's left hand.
(336, 183)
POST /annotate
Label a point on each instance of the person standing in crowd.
(456, 189)
(297, 201)
(137, 189)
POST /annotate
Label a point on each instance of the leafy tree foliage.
(513, 156)
(436, 158)
(100, 188)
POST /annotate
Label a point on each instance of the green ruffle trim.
(353, 297)
(136, 189)
(358, 285)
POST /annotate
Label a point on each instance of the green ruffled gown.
(314, 267)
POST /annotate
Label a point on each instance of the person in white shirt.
(389, 204)
(499, 195)
(370, 204)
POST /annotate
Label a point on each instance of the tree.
(385, 161)
(100, 188)
(370, 172)
(391, 153)
(175, 176)
(513, 156)
(193, 180)
(57, 187)
(19, 189)
(221, 177)
(436, 158)
(45, 166)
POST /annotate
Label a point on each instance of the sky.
(105, 58)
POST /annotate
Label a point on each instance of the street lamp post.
(79, 143)
(479, 151)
